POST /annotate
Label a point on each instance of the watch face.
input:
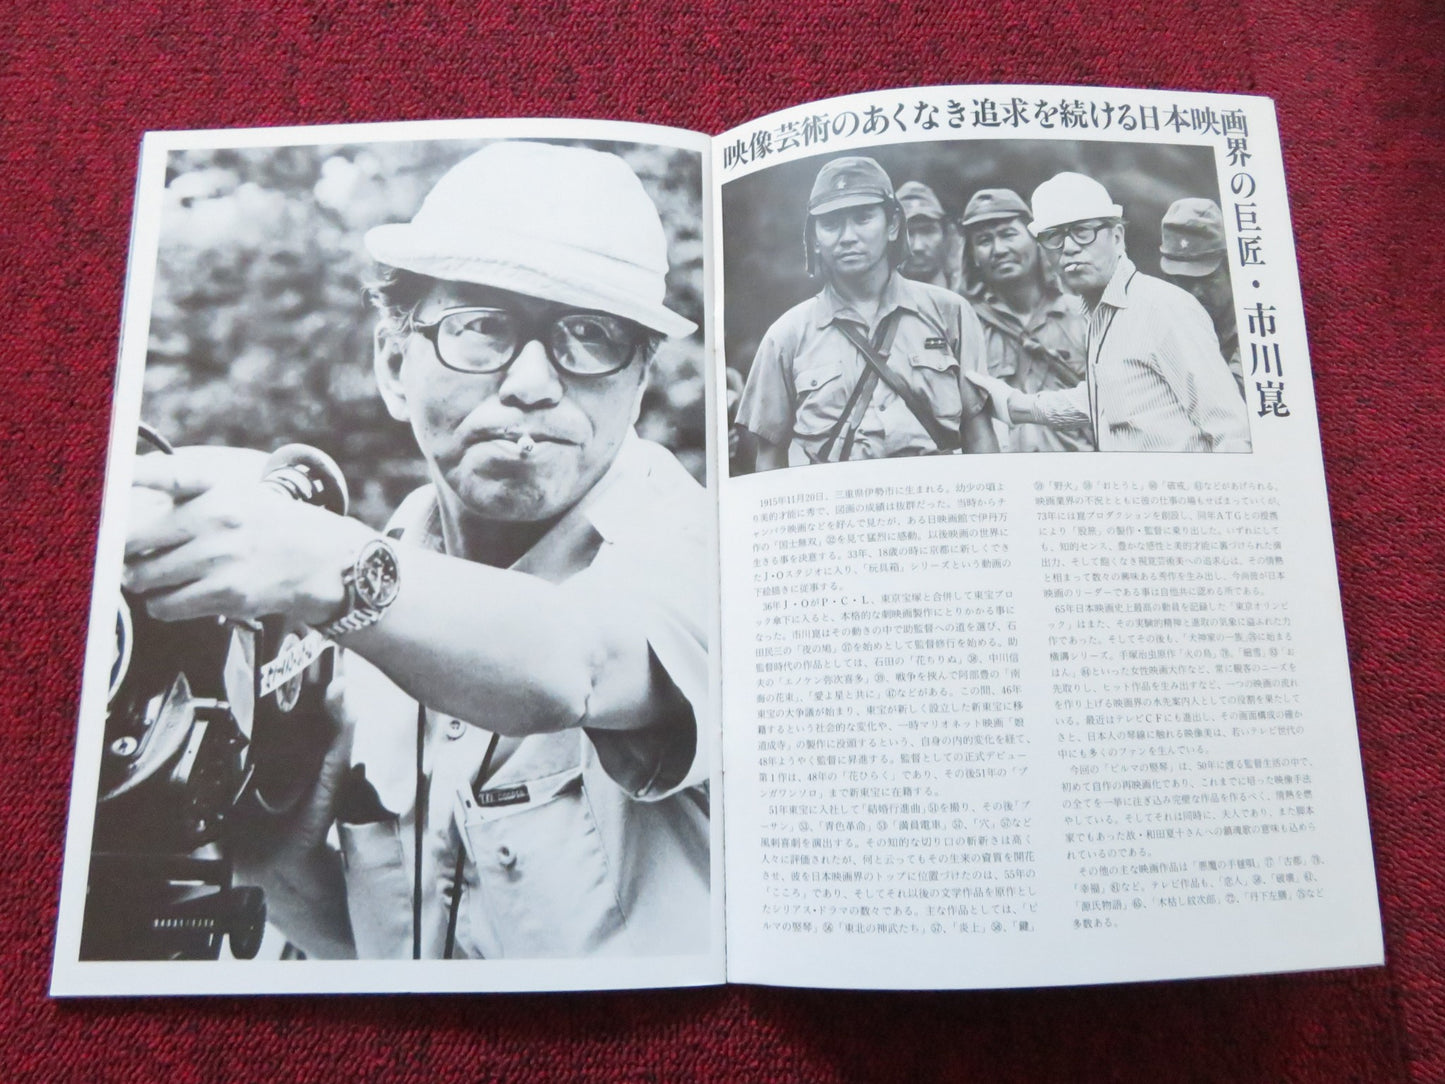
(378, 576)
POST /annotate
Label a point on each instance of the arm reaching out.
(477, 642)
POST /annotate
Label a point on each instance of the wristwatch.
(371, 583)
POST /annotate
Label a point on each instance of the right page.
(1034, 667)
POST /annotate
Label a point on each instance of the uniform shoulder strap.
(945, 439)
(851, 417)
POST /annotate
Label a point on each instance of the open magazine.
(882, 546)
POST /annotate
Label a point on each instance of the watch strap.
(362, 610)
(352, 621)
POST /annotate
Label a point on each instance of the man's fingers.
(994, 390)
(164, 517)
(985, 385)
(159, 523)
(156, 536)
(185, 562)
(180, 477)
(204, 598)
(147, 522)
(193, 470)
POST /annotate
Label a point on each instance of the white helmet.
(565, 224)
(1070, 197)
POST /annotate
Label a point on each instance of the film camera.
(209, 724)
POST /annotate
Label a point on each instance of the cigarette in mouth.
(526, 445)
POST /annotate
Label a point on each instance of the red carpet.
(1359, 89)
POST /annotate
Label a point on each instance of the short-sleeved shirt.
(1044, 352)
(1157, 381)
(806, 368)
(577, 842)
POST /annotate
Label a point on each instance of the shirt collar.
(897, 294)
(1116, 294)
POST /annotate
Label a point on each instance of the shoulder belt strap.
(945, 439)
(851, 417)
(1024, 341)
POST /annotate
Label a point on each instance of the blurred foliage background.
(763, 213)
(260, 334)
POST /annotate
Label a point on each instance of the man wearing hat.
(1156, 381)
(1033, 330)
(932, 241)
(873, 365)
(1191, 255)
(519, 769)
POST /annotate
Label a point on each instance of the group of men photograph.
(1015, 324)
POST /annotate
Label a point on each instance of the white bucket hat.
(565, 224)
(1070, 197)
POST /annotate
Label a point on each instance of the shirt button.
(455, 729)
(505, 857)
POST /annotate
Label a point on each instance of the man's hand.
(203, 542)
(997, 392)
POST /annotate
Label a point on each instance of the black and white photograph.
(424, 631)
(411, 646)
(967, 296)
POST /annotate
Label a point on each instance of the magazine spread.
(492, 504)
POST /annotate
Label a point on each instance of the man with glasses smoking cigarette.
(1156, 380)
(1034, 331)
(519, 769)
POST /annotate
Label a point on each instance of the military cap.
(992, 204)
(919, 201)
(1191, 238)
(849, 182)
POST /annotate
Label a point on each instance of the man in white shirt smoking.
(1156, 380)
(520, 769)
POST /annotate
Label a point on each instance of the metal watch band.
(354, 621)
(366, 598)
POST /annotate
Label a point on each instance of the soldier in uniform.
(1156, 381)
(1034, 332)
(1191, 255)
(933, 248)
(872, 366)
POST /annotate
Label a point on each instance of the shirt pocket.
(539, 882)
(821, 395)
(378, 889)
(934, 375)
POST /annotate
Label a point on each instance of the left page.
(399, 673)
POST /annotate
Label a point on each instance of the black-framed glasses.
(486, 340)
(1083, 233)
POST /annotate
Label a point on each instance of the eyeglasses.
(1083, 233)
(487, 340)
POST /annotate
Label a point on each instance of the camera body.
(211, 726)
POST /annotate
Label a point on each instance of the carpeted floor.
(1359, 92)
